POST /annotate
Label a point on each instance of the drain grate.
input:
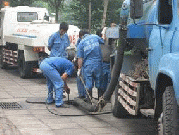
(10, 105)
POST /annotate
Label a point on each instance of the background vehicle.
(24, 33)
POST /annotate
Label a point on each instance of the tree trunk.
(104, 13)
(90, 16)
(56, 14)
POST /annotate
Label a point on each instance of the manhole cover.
(10, 105)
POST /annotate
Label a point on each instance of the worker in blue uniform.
(56, 70)
(59, 41)
(106, 52)
(80, 85)
(90, 58)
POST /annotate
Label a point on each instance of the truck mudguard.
(169, 66)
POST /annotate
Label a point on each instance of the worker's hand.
(67, 89)
(64, 76)
(79, 72)
(74, 60)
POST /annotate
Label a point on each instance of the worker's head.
(63, 28)
(82, 33)
(98, 32)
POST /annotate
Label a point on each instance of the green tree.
(14, 3)
(77, 13)
(40, 3)
(55, 5)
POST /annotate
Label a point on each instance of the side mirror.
(136, 9)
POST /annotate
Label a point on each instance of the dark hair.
(83, 32)
(64, 26)
(98, 32)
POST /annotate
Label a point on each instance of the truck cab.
(10, 17)
(152, 34)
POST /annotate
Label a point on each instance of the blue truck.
(150, 32)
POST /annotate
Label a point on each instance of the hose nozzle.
(101, 104)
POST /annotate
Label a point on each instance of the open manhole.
(10, 105)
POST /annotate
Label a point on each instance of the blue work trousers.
(106, 76)
(54, 81)
(93, 75)
(80, 85)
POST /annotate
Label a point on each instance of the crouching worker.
(56, 71)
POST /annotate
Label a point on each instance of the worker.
(59, 41)
(53, 68)
(90, 60)
(80, 85)
(106, 73)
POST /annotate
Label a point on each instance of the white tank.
(41, 30)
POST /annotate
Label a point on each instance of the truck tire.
(25, 69)
(117, 109)
(167, 122)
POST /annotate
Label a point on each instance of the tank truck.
(148, 46)
(24, 33)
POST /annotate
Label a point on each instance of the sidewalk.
(36, 119)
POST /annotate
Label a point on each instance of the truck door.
(160, 38)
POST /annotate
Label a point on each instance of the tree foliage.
(55, 5)
(14, 3)
(77, 13)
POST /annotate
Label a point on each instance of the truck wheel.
(25, 69)
(117, 109)
(3, 64)
(167, 122)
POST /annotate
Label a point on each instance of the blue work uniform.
(89, 49)
(106, 75)
(80, 85)
(106, 65)
(53, 68)
(58, 45)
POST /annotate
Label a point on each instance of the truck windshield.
(27, 16)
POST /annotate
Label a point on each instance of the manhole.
(10, 105)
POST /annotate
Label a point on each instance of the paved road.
(36, 119)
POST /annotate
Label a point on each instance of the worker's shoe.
(58, 102)
(50, 101)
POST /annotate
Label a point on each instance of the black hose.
(80, 103)
(117, 65)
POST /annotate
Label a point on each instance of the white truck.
(24, 33)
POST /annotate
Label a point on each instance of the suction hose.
(117, 64)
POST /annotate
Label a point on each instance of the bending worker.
(53, 68)
(59, 41)
(90, 58)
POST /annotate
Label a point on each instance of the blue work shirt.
(89, 49)
(58, 45)
(62, 65)
(78, 42)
